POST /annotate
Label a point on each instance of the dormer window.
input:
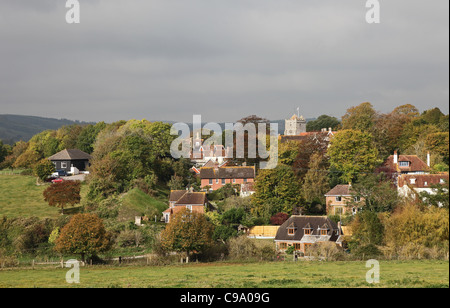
(291, 231)
(307, 231)
(404, 164)
(323, 232)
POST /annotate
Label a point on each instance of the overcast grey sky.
(223, 59)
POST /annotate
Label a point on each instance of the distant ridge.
(14, 128)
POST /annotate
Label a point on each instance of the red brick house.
(215, 178)
(338, 200)
(179, 199)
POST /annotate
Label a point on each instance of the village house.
(71, 160)
(247, 189)
(303, 231)
(324, 135)
(411, 185)
(179, 199)
(339, 201)
(215, 178)
(407, 164)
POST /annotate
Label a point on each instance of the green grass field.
(21, 197)
(393, 274)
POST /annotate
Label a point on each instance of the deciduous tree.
(187, 232)
(63, 194)
(85, 235)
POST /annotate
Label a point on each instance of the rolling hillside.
(14, 128)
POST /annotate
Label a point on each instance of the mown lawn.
(393, 274)
(21, 197)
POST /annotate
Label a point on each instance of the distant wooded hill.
(14, 128)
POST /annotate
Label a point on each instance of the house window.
(307, 231)
(189, 208)
(217, 181)
(234, 180)
(282, 246)
(245, 180)
(210, 181)
(357, 199)
(297, 246)
(404, 164)
(291, 231)
(63, 165)
(338, 199)
(425, 184)
(323, 232)
(412, 181)
(223, 181)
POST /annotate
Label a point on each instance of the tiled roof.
(175, 195)
(185, 197)
(421, 180)
(70, 154)
(340, 190)
(415, 164)
(228, 173)
(192, 198)
(306, 222)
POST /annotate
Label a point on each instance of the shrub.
(328, 251)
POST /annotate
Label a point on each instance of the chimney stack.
(428, 159)
(395, 157)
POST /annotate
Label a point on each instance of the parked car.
(59, 173)
(58, 180)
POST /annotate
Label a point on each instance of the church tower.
(295, 125)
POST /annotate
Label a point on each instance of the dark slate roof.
(304, 222)
(70, 154)
(340, 190)
(228, 173)
(185, 197)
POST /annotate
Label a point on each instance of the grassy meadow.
(21, 197)
(303, 274)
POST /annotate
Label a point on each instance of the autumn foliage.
(63, 194)
(187, 232)
(85, 234)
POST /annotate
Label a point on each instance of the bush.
(129, 238)
(243, 248)
(328, 251)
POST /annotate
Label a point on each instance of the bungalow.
(339, 198)
(70, 160)
(304, 231)
(179, 199)
(216, 178)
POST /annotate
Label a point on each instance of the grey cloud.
(168, 59)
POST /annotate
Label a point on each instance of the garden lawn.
(303, 274)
